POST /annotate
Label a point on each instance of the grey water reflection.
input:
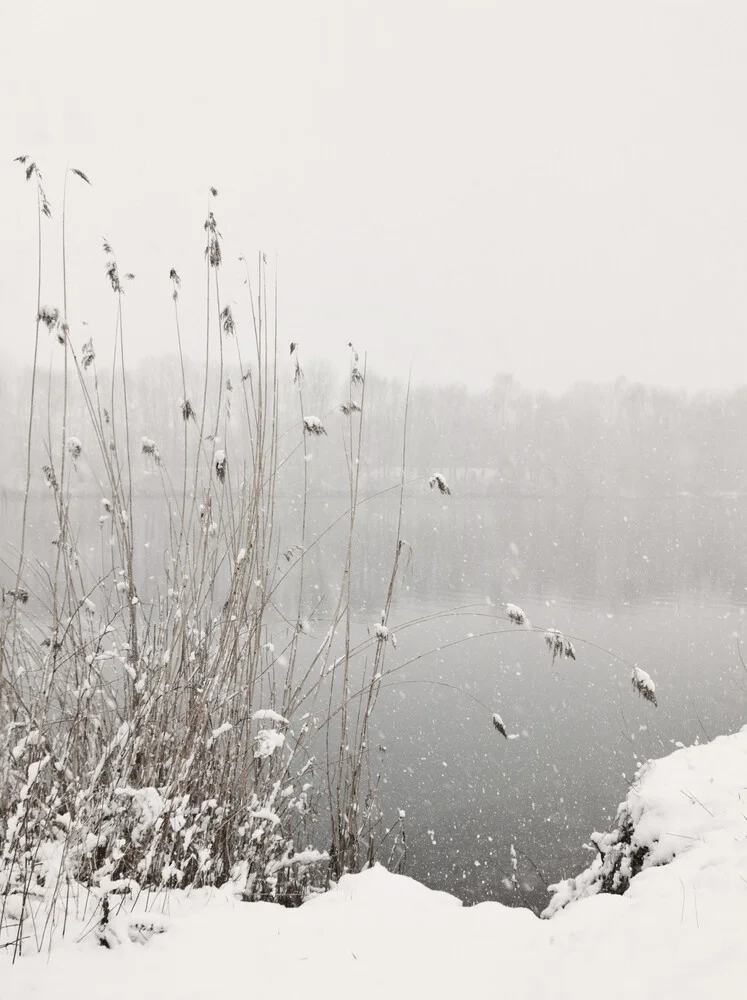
(660, 583)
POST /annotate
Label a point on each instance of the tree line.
(615, 439)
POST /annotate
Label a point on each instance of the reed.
(208, 725)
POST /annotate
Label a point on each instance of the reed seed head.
(148, 447)
(558, 645)
(50, 477)
(350, 407)
(498, 724)
(516, 615)
(79, 173)
(644, 685)
(313, 425)
(88, 355)
(226, 318)
(438, 481)
(49, 317)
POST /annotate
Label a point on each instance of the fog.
(554, 190)
(372, 414)
(613, 440)
(615, 512)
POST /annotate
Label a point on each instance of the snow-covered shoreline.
(679, 852)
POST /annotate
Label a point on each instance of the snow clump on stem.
(643, 684)
(74, 447)
(148, 447)
(558, 645)
(516, 615)
(268, 740)
(313, 425)
(437, 480)
(220, 465)
(498, 723)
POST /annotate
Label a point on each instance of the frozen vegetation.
(659, 913)
(186, 762)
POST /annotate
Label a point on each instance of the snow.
(226, 727)
(268, 714)
(516, 615)
(148, 805)
(689, 808)
(301, 858)
(267, 814)
(313, 425)
(643, 684)
(499, 725)
(268, 740)
(677, 932)
(438, 481)
(19, 749)
(558, 645)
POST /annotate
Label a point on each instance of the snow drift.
(660, 913)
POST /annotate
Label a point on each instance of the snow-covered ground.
(679, 931)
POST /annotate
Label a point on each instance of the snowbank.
(691, 805)
(677, 932)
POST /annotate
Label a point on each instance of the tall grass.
(178, 732)
(187, 730)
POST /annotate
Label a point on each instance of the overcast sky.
(554, 189)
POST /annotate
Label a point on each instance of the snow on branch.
(268, 740)
(302, 858)
(268, 715)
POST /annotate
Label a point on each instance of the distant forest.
(621, 439)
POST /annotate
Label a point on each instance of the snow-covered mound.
(678, 932)
(691, 805)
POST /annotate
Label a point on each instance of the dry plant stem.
(63, 508)
(381, 646)
(206, 382)
(304, 510)
(185, 416)
(62, 518)
(314, 543)
(201, 716)
(130, 525)
(345, 799)
(29, 442)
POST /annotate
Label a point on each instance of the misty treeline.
(621, 439)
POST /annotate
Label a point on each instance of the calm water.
(660, 583)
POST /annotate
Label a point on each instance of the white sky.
(555, 189)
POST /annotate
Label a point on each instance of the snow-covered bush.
(677, 805)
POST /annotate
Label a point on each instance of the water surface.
(660, 583)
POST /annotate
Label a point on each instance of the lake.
(659, 582)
